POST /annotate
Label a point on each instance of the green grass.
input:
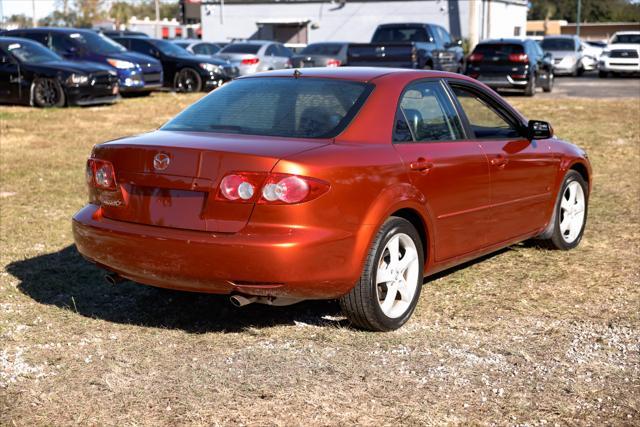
(525, 336)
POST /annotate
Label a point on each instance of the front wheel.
(388, 290)
(48, 93)
(603, 74)
(548, 86)
(570, 214)
(187, 80)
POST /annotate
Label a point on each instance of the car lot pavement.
(591, 86)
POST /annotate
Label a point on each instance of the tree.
(89, 11)
(592, 10)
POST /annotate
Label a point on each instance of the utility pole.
(33, 12)
(578, 18)
(157, 19)
(473, 25)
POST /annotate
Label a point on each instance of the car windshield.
(322, 49)
(558, 44)
(626, 39)
(31, 53)
(498, 49)
(272, 106)
(241, 48)
(403, 34)
(97, 43)
(169, 48)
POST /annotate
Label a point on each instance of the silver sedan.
(253, 56)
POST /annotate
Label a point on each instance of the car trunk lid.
(170, 179)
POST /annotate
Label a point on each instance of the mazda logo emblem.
(161, 161)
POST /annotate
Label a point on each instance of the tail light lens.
(250, 61)
(518, 57)
(476, 57)
(334, 63)
(243, 187)
(100, 174)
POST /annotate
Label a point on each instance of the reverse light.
(518, 57)
(100, 174)
(334, 63)
(250, 61)
(475, 57)
(274, 188)
(120, 64)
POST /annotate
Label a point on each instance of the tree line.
(591, 10)
(85, 13)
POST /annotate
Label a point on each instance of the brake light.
(250, 61)
(277, 188)
(518, 57)
(476, 57)
(100, 174)
(334, 63)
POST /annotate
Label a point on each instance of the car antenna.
(296, 73)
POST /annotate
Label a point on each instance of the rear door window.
(426, 114)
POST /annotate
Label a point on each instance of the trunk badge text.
(161, 161)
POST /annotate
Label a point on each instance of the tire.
(47, 93)
(427, 67)
(187, 80)
(573, 195)
(580, 71)
(362, 305)
(548, 87)
(603, 74)
(530, 89)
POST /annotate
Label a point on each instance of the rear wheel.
(48, 93)
(570, 214)
(187, 80)
(603, 74)
(388, 290)
(530, 89)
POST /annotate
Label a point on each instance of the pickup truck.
(425, 46)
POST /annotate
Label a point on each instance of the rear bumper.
(309, 263)
(503, 82)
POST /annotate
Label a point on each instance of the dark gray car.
(327, 54)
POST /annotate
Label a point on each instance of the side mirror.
(537, 129)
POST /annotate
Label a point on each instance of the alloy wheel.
(397, 275)
(572, 210)
(46, 93)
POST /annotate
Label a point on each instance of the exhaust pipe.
(113, 278)
(241, 301)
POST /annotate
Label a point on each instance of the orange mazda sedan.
(349, 183)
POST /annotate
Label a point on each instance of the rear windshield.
(322, 49)
(241, 48)
(276, 106)
(558, 44)
(626, 38)
(498, 49)
(399, 35)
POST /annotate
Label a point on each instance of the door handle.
(500, 161)
(421, 165)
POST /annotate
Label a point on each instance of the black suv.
(183, 71)
(511, 64)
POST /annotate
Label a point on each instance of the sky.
(17, 7)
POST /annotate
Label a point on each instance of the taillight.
(334, 63)
(518, 57)
(475, 57)
(250, 61)
(276, 188)
(100, 174)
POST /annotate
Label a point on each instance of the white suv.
(622, 54)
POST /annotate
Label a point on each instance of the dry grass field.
(523, 337)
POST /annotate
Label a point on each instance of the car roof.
(254, 42)
(10, 39)
(510, 41)
(626, 32)
(362, 74)
(55, 30)
(561, 36)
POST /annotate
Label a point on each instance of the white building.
(307, 21)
